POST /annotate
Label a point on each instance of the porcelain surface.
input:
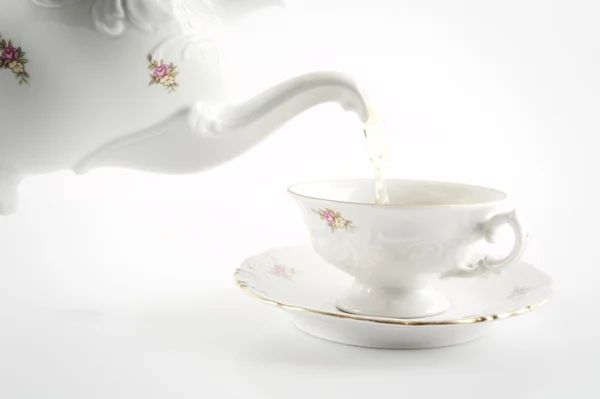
(134, 84)
(430, 230)
(299, 281)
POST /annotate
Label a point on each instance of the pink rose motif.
(10, 54)
(329, 217)
(334, 220)
(282, 271)
(161, 71)
(517, 292)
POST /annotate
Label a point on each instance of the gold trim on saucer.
(480, 319)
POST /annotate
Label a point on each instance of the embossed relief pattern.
(110, 16)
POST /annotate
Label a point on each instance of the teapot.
(134, 84)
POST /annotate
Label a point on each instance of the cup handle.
(488, 230)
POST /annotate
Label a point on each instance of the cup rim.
(503, 195)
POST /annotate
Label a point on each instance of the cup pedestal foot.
(401, 303)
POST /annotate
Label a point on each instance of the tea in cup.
(428, 230)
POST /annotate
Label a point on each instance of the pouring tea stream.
(378, 152)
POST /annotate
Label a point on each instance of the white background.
(119, 284)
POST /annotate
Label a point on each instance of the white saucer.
(297, 280)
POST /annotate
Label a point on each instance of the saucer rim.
(382, 320)
(247, 289)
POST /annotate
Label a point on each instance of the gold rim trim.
(291, 191)
(481, 319)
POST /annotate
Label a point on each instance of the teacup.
(395, 252)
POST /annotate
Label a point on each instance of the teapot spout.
(269, 110)
(203, 136)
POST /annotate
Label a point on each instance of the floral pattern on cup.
(163, 74)
(13, 59)
(281, 271)
(334, 220)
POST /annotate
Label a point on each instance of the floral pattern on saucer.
(519, 291)
(334, 220)
(283, 272)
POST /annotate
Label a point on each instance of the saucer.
(297, 280)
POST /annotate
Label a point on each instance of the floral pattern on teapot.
(334, 220)
(13, 59)
(163, 74)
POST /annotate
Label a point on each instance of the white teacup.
(395, 252)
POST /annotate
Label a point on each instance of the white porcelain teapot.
(133, 84)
